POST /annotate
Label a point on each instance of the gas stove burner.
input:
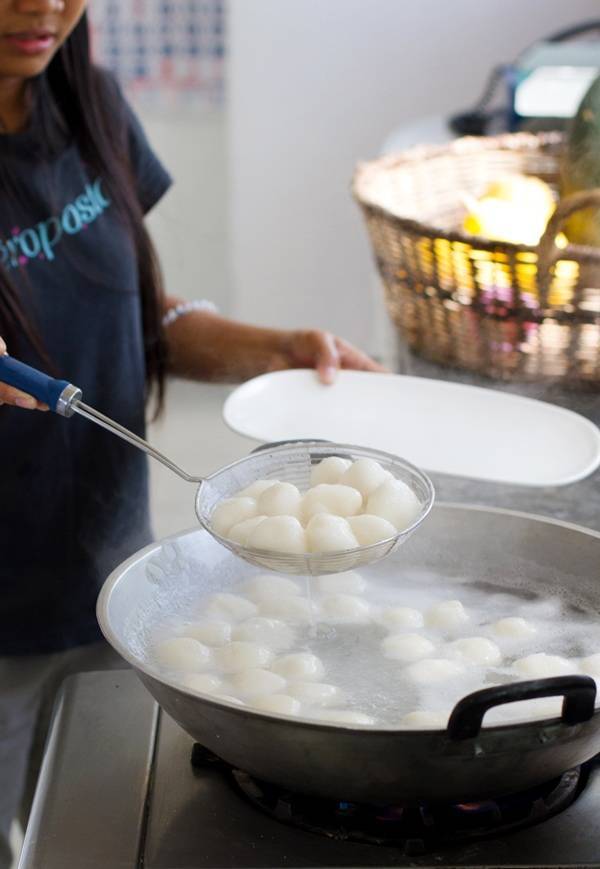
(417, 828)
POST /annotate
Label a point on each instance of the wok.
(464, 762)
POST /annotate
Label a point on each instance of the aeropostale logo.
(40, 241)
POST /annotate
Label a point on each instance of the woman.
(80, 293)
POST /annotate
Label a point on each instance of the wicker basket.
(504, 310)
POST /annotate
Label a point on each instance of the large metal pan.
(465, 761)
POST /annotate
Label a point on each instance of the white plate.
(440, 426)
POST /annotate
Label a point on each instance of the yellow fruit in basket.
(505, 221)
(473, 224)
(526, 189)
(515, 208)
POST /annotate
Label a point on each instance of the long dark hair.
(74, 97)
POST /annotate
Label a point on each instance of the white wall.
(190, 225)
(316, 85)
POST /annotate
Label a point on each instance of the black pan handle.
(579, 694)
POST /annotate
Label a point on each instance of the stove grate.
(416, 828)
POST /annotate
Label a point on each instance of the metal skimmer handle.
(65, 399)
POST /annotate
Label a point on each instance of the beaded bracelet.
(183, 308)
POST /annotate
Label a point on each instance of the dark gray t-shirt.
(74, 498)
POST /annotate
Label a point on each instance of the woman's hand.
(10, 395)
(323, 351)
(205, 346)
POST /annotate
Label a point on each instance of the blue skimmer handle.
(59, 395)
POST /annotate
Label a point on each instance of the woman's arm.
(205, 346)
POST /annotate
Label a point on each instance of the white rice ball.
(269, 585)
(315, 693)
(203, 683)
(343, 583)
(282, 499)
(229, 607)
(329, 470)
(396, 502)
(239, 655)
(279, 534)
(325, 533)
(476, 650)
(514, 628)
(272, 633)
(590, 666)
(241, 532)
(540, 665)
(365, 475)
(300, 666)
(280, 704)
(209, 633)
(331, 498)
(182, 653)
(369, 530)
(294, 610)
(530, 710)
(345, 608)
(255, 490)
(447, 615)
(229, 699)
(424, 719)
(343, 716)
(395, 617)
(407, 647)
(544, 707)
(430, 671)
(257, 681)
(231, 512)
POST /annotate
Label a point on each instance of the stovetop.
(118, 791)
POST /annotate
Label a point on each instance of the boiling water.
(381, 688)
